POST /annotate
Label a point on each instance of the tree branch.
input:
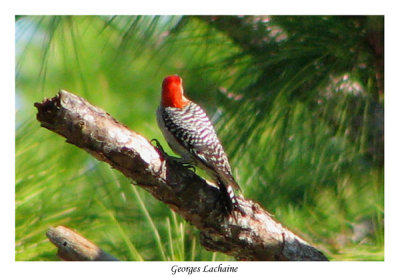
(73, 247)
(253, 236)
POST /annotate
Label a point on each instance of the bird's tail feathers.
(228, 194)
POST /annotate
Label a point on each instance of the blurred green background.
(297, 101)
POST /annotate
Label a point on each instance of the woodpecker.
(190, 134)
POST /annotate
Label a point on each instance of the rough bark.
(255, 235)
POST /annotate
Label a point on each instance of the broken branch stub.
(74, 247)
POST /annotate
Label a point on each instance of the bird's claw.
(189, 166)
(183, 163)
(158, 145)
(176, 160)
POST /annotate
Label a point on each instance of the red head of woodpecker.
(190, 134)
(172, 92)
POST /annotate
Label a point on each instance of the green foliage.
(297, 102)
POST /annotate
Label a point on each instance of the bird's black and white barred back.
(195, 132)
(190, 133)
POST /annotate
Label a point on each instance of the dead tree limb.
(74, 247)
(254, 236)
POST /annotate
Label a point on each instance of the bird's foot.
(176, 160)
(184, 163)
(163, 154)
(158, 145)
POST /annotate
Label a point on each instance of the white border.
(9, 9)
